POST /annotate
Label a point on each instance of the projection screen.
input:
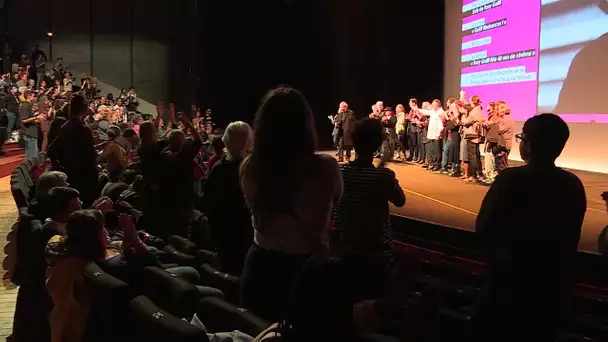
(539, 56)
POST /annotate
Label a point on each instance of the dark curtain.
(353, 50)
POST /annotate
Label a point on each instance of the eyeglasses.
(519, 137)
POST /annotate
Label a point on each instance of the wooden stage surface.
(451, 202)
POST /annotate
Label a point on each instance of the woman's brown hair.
(284, 142)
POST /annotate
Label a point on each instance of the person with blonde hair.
(224, 203)
(400, 127)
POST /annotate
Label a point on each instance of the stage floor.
(451, 202)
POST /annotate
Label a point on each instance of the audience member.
(290, 191)
(86, 242)
(361, 219)
(533, 251)
(223, 200)
(74, 153)
(41, 203)
(28, 116)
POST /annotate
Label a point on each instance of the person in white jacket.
(434, 133)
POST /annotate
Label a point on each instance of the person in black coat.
(346, 124)
(389, 122)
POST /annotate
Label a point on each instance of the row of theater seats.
(153, 305)
(454, 284)
(156, 311)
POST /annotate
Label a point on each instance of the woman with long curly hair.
(290, 191)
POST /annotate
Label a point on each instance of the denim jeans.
(446, 153)
(39, 77)
(31, 146)
(12, 120)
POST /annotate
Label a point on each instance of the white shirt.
(435, 122)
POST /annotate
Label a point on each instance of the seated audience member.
(102, 124)
(531, 217)
(66, 203)
(129, 141)
(119, 182)
(224, 204)
(63, 201)
(362, 225)
(290, 191)
(113, 155)
(86, 242)
(40, 205)
(33, 302)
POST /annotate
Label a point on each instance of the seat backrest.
(172, 293)
(219, 315)
(111, 296)
(229, 284)
(19, 196)
(182, 244)
(26, 174)
(150, 323)
(30, 242)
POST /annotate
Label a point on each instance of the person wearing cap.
(531, 221)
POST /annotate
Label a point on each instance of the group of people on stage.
(447, 140)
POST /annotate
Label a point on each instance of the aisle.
(8, 294)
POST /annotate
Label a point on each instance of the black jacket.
(10, 103)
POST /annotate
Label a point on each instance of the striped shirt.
(361, 218)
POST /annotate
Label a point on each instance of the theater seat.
(592, 326)
(453, 325)
(219, 315)
(110, 299)
(26, 174)
(568, 337)
(175, 295)
(173, 255)
(153, 324)
(229, 284)
(458, 297)
(208, 257)
(182, 244)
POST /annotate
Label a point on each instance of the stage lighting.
(50, 34)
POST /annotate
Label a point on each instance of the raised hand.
(103, 204)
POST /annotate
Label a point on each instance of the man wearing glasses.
(531, 219)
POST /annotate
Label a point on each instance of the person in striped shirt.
(363, 233)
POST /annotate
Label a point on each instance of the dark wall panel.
(27, 25)
(95, 37)
(111, 52)
(150, 52)
(71, 34)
